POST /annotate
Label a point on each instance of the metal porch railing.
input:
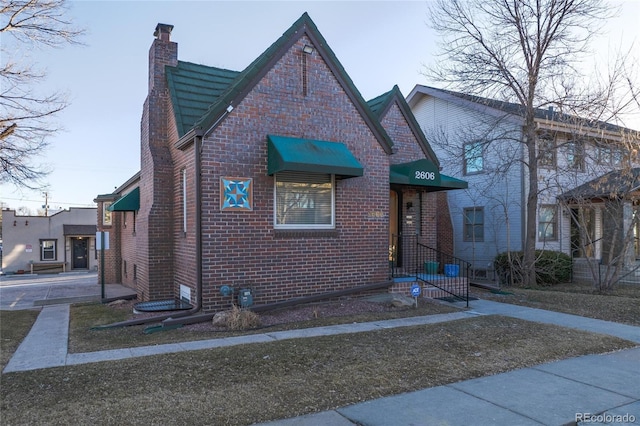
(408, 257)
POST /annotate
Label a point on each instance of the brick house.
(276, 179)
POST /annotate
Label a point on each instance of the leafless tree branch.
(25, 115)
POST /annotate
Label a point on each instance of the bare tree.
(524, 52)
(604, 214)
(25, 114)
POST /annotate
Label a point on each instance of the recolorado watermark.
(605, 418)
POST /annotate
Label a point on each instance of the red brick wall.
(112, 257)
(444, 225)
(184, 262)
(122, 251)
(243, 248)
(129, 247)
(404, 141)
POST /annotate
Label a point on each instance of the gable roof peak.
(250, 76)
(382, 104)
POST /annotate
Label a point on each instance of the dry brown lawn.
(621, 305)
(259, 382)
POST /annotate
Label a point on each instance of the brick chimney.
(154, 221)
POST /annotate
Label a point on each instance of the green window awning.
(127, 203)
(423, 173)
(313, 156)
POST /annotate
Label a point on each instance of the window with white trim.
(548, 223)
(48, 249)
(575, 154)
(106, 214)
(473, 224)
(547, 151)
(473, 158)
(304, 200)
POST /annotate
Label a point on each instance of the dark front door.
(79, 253)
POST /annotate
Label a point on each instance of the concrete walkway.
(33, 291)
(557, 393)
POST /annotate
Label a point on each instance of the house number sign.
(422, 175)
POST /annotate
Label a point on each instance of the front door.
(583, 231)
(79, 253)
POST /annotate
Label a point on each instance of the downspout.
(198, 184)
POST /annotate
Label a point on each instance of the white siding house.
(479, 140)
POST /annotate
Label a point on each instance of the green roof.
(380, 106)
(379, 103)
(127, 203)
(312, 156)
(193, 89)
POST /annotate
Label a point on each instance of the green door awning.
(448, 182)
(313, 156)
(128, 203)
(420, 172)
(423, 173)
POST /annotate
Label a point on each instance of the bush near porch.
(552, 267)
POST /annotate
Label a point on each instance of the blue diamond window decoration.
(236, 193)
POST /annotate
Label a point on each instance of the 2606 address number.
(425, 175)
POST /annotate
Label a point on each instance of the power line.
(53, 202)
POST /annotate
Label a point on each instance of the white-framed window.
(575, 151)
(473, 158)
(304, 200)
(474, 224)
(548, 223)
(106, 214)
(48, 249)
(609, 155)
(547, 151)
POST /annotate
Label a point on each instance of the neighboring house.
(479, 140)
(280, 181)
(64, 241)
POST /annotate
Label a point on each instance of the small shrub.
(552, 267)
(242, 319)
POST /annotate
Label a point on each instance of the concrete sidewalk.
(551, 394)
(592, 389)
(33, 291)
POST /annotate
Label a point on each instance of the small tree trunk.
(529, 261)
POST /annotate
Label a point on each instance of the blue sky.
(379, 44)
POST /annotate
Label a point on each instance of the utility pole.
(46, 204)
